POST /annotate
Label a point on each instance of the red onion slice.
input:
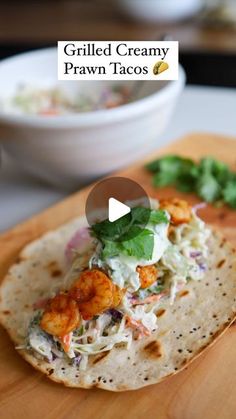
(79, 242)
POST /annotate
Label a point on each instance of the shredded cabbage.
(178, 258)
(40, 342)
(185, 257)
(118, 334)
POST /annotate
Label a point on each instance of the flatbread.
(202, 312)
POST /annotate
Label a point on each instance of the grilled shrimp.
(117, 294)
(61, 316)
(179, 210)
(93, 292)
(147, 275)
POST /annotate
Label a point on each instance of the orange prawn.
(179, 210)
(147, 275)
(61, 316)
(117, 294)
(94, 293)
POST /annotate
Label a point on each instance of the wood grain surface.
(205, 389)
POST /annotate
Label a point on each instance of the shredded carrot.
(150, 299)
(138, 326)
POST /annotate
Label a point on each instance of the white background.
(149, 61)
(199, 109)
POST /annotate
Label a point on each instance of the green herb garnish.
(210, 179)
(80, 331)
(128, 234)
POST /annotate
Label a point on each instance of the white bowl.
(160, 10)
(74, 149)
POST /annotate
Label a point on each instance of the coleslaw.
(54, 101)
(179, 255)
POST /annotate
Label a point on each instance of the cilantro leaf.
(112, 231)
(210, 179)
(140, 246)
(229, 193)
(158, 217)
(123, 228)
(208, 188)
(129, 235)
(110, 249)
(140, 215)
(206, 165)
(171, 170)
(162, 179)
(133, 231)
(167, 168)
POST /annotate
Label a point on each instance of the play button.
(113, 198)
(116, 210)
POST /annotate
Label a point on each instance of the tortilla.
(202, 312)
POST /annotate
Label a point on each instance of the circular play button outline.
(117, 194)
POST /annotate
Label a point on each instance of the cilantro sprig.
(129, 234)
(211, 179)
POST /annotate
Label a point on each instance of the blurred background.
(206, 29)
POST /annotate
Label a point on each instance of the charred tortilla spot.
(221, 263)
(51, 371)
(153, 349)
(56, 273)
(160, 312)
(6, 312)
(183, 293)
(195, 316)
(20, 259)
(100, 357)
(54, 269)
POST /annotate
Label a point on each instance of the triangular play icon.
(116, 209)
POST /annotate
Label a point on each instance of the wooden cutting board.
(206, 389)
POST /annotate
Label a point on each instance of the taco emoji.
(159, 67)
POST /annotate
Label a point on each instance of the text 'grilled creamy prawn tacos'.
(120, 305)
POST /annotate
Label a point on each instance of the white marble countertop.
(199, 109)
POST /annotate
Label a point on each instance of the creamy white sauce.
(124, 267)
(40, 343)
